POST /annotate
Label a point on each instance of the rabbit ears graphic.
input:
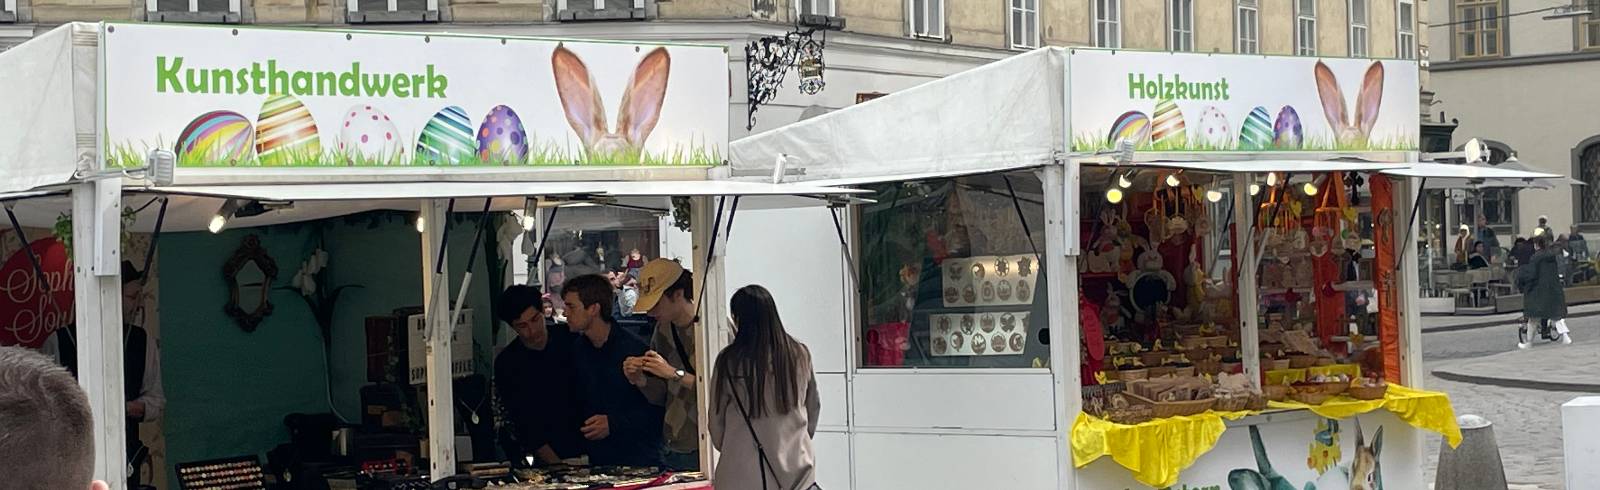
(1351, 127)
(636, 116)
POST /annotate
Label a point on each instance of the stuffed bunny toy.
(1351, 128)
(1151, 285)
(637, 115)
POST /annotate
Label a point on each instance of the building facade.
(1523, 78)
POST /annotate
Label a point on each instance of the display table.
(1156, 451)
(1289, 376)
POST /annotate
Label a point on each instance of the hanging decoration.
(767, 62)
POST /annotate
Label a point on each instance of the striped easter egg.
(1133, 126)
(447, 137)
(1168, 125)
(286, 133)
(1286, 131)
(1256, 134)
(216, 138)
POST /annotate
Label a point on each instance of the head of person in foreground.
(46, 430)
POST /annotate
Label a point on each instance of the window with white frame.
(1358, 28)
(1406, 42)
(925, 18)
(1479, 32)
(1180, 25)
(8, 13)
(1108, 23)
(1247, 23)
(816, 7)
(200, 11)
(587, 10)
(1305, 27)
(1024, 24)
(1590, 25)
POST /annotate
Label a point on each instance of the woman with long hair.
(766, 403)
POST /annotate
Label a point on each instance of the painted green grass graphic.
(541, 154)
(1092, 142)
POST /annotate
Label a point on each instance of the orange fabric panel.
(1386, 219)
(1329, 304)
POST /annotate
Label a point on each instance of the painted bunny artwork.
(1363, 473)
(1351, 128)
(637, 114)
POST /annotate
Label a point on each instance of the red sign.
(28, 315)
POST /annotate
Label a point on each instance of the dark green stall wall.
(228, 390)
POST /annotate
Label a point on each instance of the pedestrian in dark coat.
(1544, 299)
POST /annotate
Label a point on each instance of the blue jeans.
(677, 461)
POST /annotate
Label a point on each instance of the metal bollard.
(1580, 421)
(1475, 464)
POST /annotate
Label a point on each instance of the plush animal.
(1151, 285)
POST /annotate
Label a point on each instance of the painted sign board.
(246, 97)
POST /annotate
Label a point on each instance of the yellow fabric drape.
(1287, 376)
(1156, 451)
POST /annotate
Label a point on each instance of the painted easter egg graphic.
(216, 138)
(501, 138)
(368, 137)
(1168, 125)
(285, 133)
(1214, 129)
(447, 137)
(1256, 134)
(1132, 126)
(1286, 131)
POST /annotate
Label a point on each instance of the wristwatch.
(681, 374)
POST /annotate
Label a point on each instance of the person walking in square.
(1544, 299)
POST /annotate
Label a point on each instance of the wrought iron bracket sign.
(767, 62)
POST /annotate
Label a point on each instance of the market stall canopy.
(1266, 166)
(47, 108)
(1480, 176)
(1001, 115)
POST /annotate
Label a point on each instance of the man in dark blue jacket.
(622, 427)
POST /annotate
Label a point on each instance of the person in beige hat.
(666, 374)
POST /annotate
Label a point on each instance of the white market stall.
(989, 175)
(277, 127)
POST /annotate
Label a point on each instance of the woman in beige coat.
(766, 402)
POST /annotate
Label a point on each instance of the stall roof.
(993, 117)
(447, 190)
(1453, 171)
(1265, 166)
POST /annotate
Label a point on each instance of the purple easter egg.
(1286, 131)
(501, 138)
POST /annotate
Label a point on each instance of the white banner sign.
(1190, 102)
(224, 97)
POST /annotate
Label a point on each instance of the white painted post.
(1061, 279)
(714, 329)
(1408, 286)
(1580, 421)
(97, 300)
(436, 301)
(1244, 288)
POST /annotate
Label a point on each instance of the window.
(581, 10)
(1180, 25)
(1248, 25)
(1358, 28)
(949, 276)
(1500, 207)
(1305, 27)
(1590, 26)
(205, 11)
(1589, 173)
(1108, 23)
(1406, 44)
(1024, 24)
(387, 11)
(8, 12)
(925, 18)
(816, 7)
(1479, 32)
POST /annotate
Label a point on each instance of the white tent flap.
(1445, 170)
(47, 97)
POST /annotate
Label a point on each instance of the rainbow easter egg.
(368, 137)
(1131, 126)
(1214, 129)
(1286, 131)
(1168, 129)
(285, 133)
(1256, 133)
(216, 138)
(447, 137)
(501, 138)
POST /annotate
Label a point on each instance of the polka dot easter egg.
(1168, 125)
(285, 133)
(1214, 129)
(1256, 134)
(501, 139)
(368, 137)
(1133, 126)
(216, 138)
(447, 137)
(1286, 131)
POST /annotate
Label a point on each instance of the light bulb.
(422, 224)
(1214, 195)
(529, 222)
(1310, 189)
(1172, 180)
(1272, 179)
(1123, 182)
(217, 223)
(1255, 189)
(1113, 195)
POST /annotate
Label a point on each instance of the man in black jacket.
(623, 427)
(535, 384)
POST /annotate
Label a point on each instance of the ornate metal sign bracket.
(767, 61)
